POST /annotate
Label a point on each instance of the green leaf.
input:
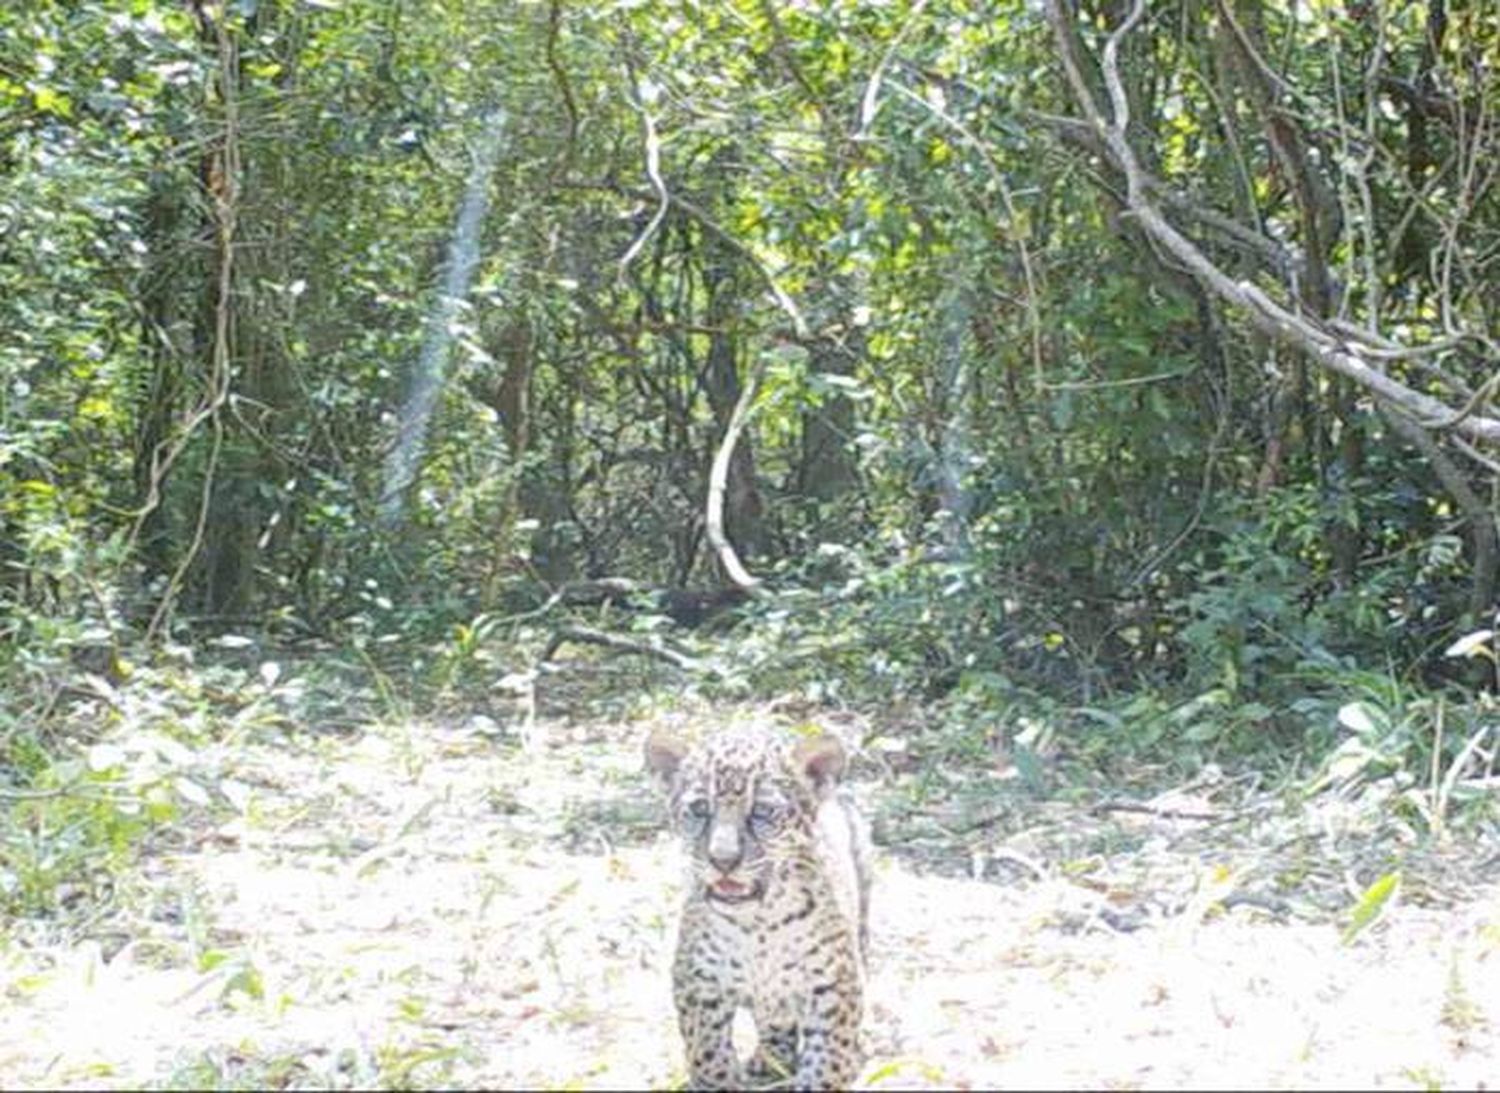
(1371, 905)
(51, 101)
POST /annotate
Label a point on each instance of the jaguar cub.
(774, 921)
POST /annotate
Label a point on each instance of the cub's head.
(745, 799)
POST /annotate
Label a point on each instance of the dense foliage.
(380, 321)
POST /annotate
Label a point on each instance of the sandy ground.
(423, 906)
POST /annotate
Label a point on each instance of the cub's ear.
(664, 754)
(822, 760)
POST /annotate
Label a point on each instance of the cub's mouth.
(729, 890)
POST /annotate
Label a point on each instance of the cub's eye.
(763, 814)
(697, 809)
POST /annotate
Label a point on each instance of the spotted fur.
(774, 921)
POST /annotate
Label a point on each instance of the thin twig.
(783, 300)
(34, 794)
(869, 103)
(560, 76)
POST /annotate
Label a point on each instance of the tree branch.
(718, 476)
(1483, 536)
(1343, 357)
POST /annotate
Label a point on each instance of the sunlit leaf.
(102, 757)
(1471, 645)
(1371, 905)
(1361, 717)
(51, 101)
(192, 792)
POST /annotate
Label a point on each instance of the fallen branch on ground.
(588, 636)
(1158, 811)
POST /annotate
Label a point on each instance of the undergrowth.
(105, 747)
(95, 764)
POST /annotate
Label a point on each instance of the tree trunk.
(826, 470)
(160, 402)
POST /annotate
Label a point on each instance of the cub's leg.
(775, 1057)
(830, 1056)
(704, 986)
(705, 1018)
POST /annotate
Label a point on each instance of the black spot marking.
(808, 903)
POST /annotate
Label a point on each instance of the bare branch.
(1344, 357)
(653, 172)
(718, 476)
(869, 103)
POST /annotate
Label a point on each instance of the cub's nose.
(724, 849)
(725, 863)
